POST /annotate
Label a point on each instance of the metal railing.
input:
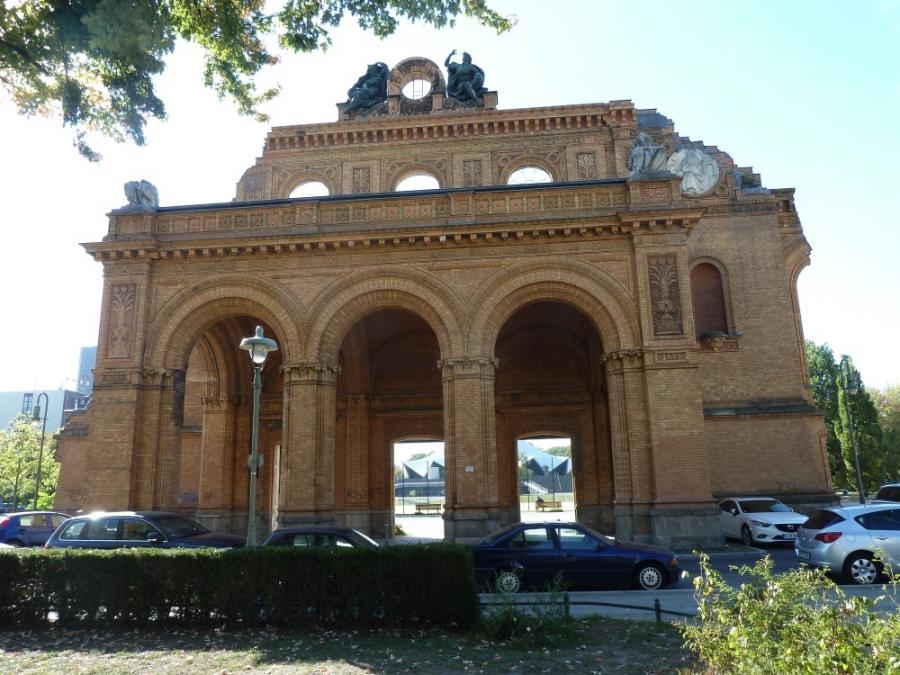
(567, 603)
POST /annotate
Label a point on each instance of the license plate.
(803, 555)
(790, 536)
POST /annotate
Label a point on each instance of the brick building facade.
(643, 303)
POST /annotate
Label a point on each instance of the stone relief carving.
(586, 164)
(472, 173)
(665, 299)
(122, 304)
(142, 195)
(647, 156)
(699, 172)
(362, 180)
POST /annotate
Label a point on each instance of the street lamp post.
(35, 417)
(848, 384)
(258, 348)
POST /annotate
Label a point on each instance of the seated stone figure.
(465, 80)
(647, 156)
(141, 195)
(370, 89)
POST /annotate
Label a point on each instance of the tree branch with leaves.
(92, 62)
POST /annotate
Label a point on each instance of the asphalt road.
(677, 603)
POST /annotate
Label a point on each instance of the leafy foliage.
(829, 395)
(797, 622)
(887, 403)
(277, 587)
(92, 62)
(19, 449)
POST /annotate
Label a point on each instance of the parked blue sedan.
(534, 555)
(29, 528)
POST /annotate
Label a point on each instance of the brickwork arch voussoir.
(344, 304)
(576, 284)
(187, 314)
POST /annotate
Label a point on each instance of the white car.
(758, 520)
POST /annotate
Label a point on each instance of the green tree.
(92, 62)
(887, 403)
(19, 448)
(823, 375)
(827, 381)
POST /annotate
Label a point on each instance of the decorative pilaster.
(470, 445)
(306, 490)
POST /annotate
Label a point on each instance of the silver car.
(853, 542)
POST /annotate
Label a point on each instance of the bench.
(429, 508)
(548, 506)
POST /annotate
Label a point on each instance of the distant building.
(86, 369)
(59, 403)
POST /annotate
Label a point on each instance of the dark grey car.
(138, 529)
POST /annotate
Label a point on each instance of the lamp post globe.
(258, 348)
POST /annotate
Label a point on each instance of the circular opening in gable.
(416, 89)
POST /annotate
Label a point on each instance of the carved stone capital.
(311, 373)
(467, 366)
(624, 358)
(156, 377)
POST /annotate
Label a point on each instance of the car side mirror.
(734, 512)
(154, 537)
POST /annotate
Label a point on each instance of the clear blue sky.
(806, 92)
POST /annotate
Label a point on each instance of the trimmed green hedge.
(284, 587)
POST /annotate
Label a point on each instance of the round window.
(416, 89)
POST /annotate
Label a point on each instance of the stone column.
(471, 475)
(306, 490)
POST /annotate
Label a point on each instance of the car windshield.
(178, 526)
(359, 539)
(764, 506)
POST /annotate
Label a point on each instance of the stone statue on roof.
(370, 89)
(647, 156)
(141, 195)
(465, 81)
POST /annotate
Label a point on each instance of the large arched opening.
(388, 391)
(550, 385)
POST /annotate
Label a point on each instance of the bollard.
(658, 610)
(387, 533)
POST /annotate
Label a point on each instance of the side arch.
(195, 308)
(596, 295)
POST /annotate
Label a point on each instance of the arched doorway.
(212, 410)
(550, 383)
(388, 390)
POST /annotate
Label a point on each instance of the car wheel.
(507, 581)
(860, 568)
(746, 535)
(649, 577)
(15, 542)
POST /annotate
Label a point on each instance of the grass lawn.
(595, 645)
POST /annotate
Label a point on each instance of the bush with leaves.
(539, 621)
(797, 622)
